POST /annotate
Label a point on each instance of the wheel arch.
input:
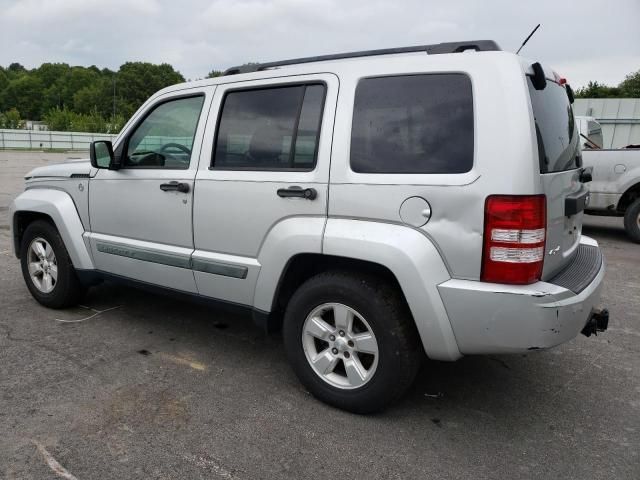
(58, 208)
(303, 266)
(630, 195)
(401, 254)
(21, 220)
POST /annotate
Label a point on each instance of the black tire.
(384, 308)
(67, 290)
(632, 221)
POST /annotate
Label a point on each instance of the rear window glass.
(558, 145)
(413, 124)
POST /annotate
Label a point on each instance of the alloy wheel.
(43, 267)
(340, 346)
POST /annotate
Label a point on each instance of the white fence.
(31, 139)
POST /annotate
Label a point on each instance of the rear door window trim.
(278, 85)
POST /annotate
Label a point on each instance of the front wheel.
(47, 268)
(351, 341)
(632, 221)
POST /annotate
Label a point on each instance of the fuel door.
(415, 211)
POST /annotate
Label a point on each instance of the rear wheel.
(351, 341)
(632, 221)
(47, 268)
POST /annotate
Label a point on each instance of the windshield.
(558, 144)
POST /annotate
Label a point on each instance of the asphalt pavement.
(136, 385)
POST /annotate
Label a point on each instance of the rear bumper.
(494, 318)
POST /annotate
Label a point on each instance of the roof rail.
(437, 48)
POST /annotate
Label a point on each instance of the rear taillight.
(515, 228)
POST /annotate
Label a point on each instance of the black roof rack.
(437, 48)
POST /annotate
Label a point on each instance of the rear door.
(269, 164)
(560, 162)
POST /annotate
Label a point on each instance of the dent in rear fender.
(417, 266)
(286, 239)
(60, 207)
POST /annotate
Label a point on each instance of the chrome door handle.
(299, 192)
(174, 187)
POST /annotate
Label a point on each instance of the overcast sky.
(582, 40)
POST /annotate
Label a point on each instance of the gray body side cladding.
(416, 264)
(58, 206)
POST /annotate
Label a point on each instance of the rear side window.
(413, 124)
(558, 143)
(273, 128)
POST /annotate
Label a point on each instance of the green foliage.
(597, 90)
(61, 119)
(214, 73)
(91, 97)
(16, 68)
(50, 73)
(4, 79)
(137, 81)
(10, 119)
(628, 88)
(24, 93)
(82, 98)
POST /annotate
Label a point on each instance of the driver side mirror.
(101, 154)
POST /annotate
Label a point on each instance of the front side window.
(164, 139)
(413, 124)
(273, 128)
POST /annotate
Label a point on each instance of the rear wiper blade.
(595, 145)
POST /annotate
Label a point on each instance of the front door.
(141, 214)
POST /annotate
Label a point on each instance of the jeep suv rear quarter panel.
(504, 156)
(417, 266)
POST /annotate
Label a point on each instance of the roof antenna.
(527, 39)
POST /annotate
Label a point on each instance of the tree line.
(628, 88)
(90, 99)
(73, 98)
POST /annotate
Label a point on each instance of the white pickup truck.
(615, 188)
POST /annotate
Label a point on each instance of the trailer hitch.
(598, 322)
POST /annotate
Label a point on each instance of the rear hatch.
(560, 168)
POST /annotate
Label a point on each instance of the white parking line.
(53, 463)
(95, 314)
(214, 466)
(184, 361)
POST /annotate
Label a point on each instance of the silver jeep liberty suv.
(375, 205)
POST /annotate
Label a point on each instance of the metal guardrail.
(33, 139)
